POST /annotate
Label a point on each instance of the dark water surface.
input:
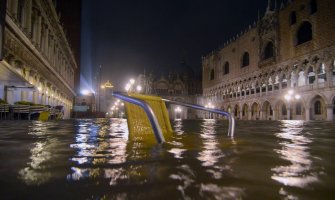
(93, 159)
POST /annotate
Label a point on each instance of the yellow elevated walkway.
(140, 128)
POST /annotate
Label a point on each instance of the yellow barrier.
(44, 116)
(138, 123)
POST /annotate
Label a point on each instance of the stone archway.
(255, 111)
(298, 110)
(245, 112)
(317, 109)
(266, 111)
(237, 112)
(281, 110)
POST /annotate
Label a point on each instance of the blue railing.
(153, 119)
(231, 119)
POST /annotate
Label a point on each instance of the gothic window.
(298, 109)
(304, 33)
(313, 6)
(245, 59)
(226, 68)
(211, 75)
(293, 18)
(317, 108)
(268, 51)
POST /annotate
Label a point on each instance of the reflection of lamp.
(290, 95)
(211, 106)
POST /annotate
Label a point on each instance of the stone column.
(29, 9)
(307, 114)
(24, 95)
(46, 41)
(329, 112)
(274, 114)
(35, 96)
(266, 89)
(288, 111)
(39, 30)
(249, 114)
(14, 5)
(10, 96)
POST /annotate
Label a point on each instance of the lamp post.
(209, 105)
(177, 111)
(290, 96)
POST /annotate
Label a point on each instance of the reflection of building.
(106, 98)
(182, 86)
(36, 53)
(292, 47)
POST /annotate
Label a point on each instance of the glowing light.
(127, 87)
(297, 96)
(177, 109)
(132, 81)
(85, 92)
(102, 87)
(139, 88)
(290, 92)
(39, 88)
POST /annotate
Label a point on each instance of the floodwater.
(94, 159)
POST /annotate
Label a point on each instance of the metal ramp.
(148, 118)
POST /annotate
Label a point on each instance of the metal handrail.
(153, 119)
(148, 110)
(231, 119)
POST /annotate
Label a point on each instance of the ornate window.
(226, 68)
(304, 33)
(313, 6)
(317, 108)
(245, 59)
(293, 18)
(268, 51)
(211, 74)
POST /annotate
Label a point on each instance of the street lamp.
(290, 96)
(138, 88)
(211, 106)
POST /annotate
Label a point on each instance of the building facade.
(183, 86)
(38, 64)
(287, 53)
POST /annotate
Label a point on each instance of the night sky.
(127, 37)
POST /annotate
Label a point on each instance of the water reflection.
(211, 151)
(295, 149)
(99, 143)
(43, 151)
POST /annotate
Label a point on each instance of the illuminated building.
(38, 63)
(290, 48)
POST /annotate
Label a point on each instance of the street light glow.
(139, 88)
(132, 81)
(85, 92)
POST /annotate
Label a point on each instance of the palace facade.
(281, 67)
(182, 85)
(38, 64)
